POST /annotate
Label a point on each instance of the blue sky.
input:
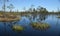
(20, 4)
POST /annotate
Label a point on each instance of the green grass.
(40, 26)
(17, 28)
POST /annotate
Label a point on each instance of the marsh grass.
(40, 26)
(17, 28)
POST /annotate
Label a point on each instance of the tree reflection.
(38, 17)
(42, 17)
(34, 16)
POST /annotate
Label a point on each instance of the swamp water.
(52, 20)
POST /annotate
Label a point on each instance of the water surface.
(52, 20)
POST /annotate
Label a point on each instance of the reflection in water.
(57, 22)
(41, 17)
(34, 16)
(37, 18)
(4, 26)
(28, 20)
(57, 26)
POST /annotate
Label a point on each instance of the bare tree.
(24, 8)
(38, 8)
(10, 7)
(4, 4)
(31, 8)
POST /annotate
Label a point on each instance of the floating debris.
(40, 26)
